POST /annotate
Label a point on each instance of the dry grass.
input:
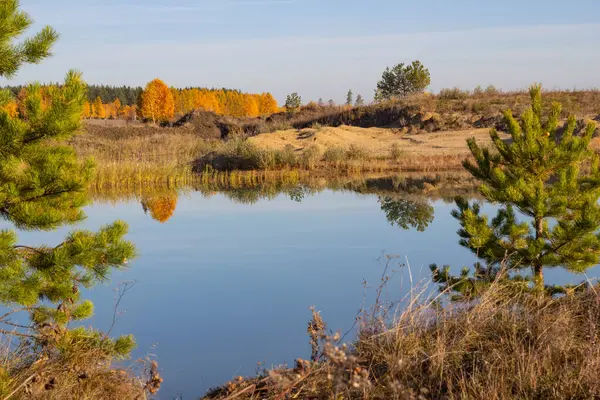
(343, 150)
(127, 157)
(76, 372)
(505, 345)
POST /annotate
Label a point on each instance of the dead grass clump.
(507, 344)
(74, 372)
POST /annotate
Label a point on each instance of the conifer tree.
(402, 80)
(550, 176)
(359, 101)
(349, 98)
(293, 102)
(42, 187)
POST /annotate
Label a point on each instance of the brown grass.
(73, 373)
(505, 345)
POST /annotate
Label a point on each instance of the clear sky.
(321, 48)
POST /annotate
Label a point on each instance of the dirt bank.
(375, 141)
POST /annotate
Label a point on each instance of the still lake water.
(221, 285)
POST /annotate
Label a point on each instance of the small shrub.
(311, 106)
(288, 157)
(491, 91)
(356, 152)
(311, 156)
(267, 159)
(334, 155)
(453, 94)
(395, 152)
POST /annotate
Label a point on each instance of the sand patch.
(376, 141)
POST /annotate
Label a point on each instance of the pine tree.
(359, 101)
(293, 102)
(349, 98)
(550, 176)
(402, 80)
(42, 187)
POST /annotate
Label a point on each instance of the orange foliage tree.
(87, 110)
(267, 104)
(160, 208)
(117, 105)
(98, 109)
(157, 101)
(224, 102)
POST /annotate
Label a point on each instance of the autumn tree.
(550, 175)
(87, 110)
(99, 110)
(117, 105)
(157, 101)
(268, 104)
(402, 80)
(43, 187)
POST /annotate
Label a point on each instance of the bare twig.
(19, 387)
(126, 286)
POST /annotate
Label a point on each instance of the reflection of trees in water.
(253, 195)
(407, 213)
(161, 208)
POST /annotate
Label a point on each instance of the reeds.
(506, 345)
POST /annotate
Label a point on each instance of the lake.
(222, 284)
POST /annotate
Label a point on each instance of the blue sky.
(321, 48)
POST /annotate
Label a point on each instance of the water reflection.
(407, 213)
(161, 208)
(401, 210)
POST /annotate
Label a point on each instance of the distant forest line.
(127, 95)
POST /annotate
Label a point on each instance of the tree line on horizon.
(156, 101)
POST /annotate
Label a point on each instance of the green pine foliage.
(349, 98)
(293, 102)
(32, 50)
(359, 101)
(546, 180)
(42, 187)
(402, 80)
